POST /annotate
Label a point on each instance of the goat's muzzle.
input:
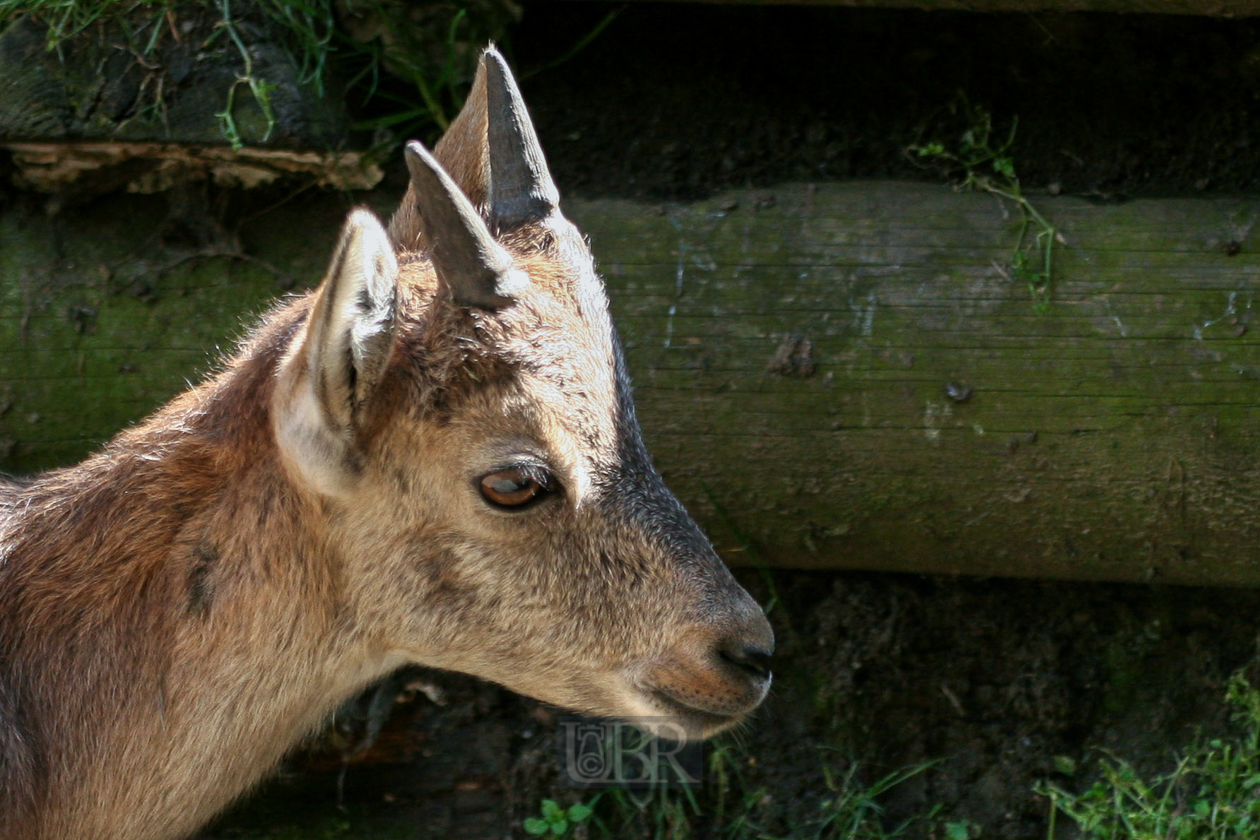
(716, 676)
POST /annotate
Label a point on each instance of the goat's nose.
(752, 659)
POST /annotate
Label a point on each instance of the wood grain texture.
(833, 375)
(1110, 437)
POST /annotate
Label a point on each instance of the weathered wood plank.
(1112, 436)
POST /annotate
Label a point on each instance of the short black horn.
(472, 268)
(521, 188)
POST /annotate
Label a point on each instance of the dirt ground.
(996, 681)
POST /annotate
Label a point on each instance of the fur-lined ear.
(331, 375)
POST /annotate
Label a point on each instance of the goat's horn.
(521, 188)
(471, 267)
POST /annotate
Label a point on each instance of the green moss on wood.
(1113, 436)
(1110, 437)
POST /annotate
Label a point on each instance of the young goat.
(433, 458)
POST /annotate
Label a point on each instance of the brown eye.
(515, 487)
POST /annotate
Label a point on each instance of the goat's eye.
(514, 488)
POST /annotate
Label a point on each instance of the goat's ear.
(351, 330)
(329, 378)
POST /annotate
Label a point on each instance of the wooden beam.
(830, 376)
(942, 423)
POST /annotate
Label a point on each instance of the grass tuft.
(731, 806)
(1213, 793)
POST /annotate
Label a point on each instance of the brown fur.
(181, 608)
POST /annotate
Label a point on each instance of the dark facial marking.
(200, 591)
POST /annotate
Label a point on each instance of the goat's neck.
(200, 621)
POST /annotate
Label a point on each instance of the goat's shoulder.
(19, 765)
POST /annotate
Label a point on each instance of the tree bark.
(830, 376)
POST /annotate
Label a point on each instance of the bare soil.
(996, 681)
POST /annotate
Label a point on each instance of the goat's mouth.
(703, 701)
(697, 722)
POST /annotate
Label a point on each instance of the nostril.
(750, 659)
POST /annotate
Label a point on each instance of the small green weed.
(405, 66)
(257, 86)
(433, 67)
(64, 18)
(557, 821)
(732, 806)
(962, 830)
(852, 812)
(981, 159)
(1212, 794)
